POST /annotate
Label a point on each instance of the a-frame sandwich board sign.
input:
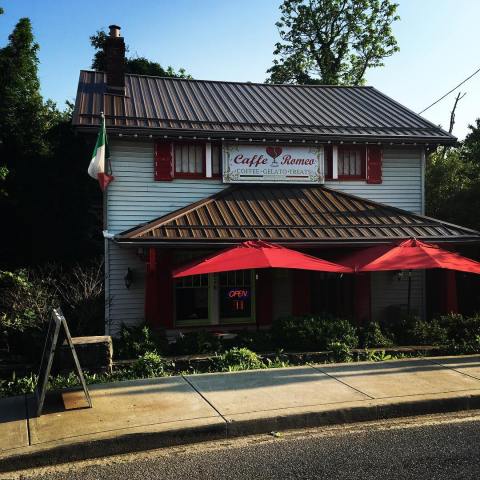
(56, 323)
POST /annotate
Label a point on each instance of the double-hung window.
(192, 300)
(351, 162)
(189, 160)
(235, 291)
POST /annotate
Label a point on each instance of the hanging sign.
(272, 164)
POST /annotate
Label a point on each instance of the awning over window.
(255, 255)
(291, 214)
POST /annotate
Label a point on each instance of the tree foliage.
(137, 65)
(21, 105)
(453, 182)
(332, 42)
(47, 202)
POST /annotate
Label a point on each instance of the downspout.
(423, 166)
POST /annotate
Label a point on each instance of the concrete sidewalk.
(144, 414)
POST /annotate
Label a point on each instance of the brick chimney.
(115, 61)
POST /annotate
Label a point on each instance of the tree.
(332, 42)
(46, 163)
(453, 182)
(137, 65)
(21, 105)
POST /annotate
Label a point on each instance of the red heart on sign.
(274, 152)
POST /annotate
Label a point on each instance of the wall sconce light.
(399, 274)
(128, 278)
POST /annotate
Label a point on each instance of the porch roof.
(301, 214)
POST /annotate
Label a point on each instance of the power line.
(449, 92)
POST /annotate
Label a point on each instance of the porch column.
(301, 298)
(151, 287)
(362, 298)
(263, 297)
(159, 290)
(450, 289)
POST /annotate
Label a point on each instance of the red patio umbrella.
(258, 254)
(408, 255)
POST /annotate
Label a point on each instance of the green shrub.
(380, 356)
(311, 333)
(237, 359)
(463, 332)
(29, 295)
(149, 365)
(137, 340)
(457, 333)
(400, 328)
(372, 336)
(277, 362)
(258, 341)
(18, 385)
(429, 332)
(26, 301)
(340, 352)
(196, 342)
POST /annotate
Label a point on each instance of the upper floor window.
(351, 162)
(189, 160)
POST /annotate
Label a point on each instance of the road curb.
(126, 442)
(136, 440)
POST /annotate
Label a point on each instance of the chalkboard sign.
(56, 323)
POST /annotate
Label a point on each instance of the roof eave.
(159, 242)
(151, 132)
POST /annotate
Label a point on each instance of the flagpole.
(104, 192)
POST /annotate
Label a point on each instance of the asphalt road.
(436, 447)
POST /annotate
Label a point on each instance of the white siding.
(401, 184)
(387, 290)
(134, 198)
(123, 305)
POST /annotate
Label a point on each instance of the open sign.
(238, 293)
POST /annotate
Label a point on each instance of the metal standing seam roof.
(244, 109)
(289, 214)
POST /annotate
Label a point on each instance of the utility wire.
(449, 92)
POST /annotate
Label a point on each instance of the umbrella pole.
(409, 294)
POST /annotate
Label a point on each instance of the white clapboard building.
(203, 165)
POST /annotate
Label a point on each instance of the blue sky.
(234, 40)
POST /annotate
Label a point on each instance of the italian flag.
(98, 164)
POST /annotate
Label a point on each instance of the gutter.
(232, 135)
(312, 244)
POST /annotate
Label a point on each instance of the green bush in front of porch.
(313, 333)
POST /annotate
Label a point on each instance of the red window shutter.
(163, 162)
(374, 164)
